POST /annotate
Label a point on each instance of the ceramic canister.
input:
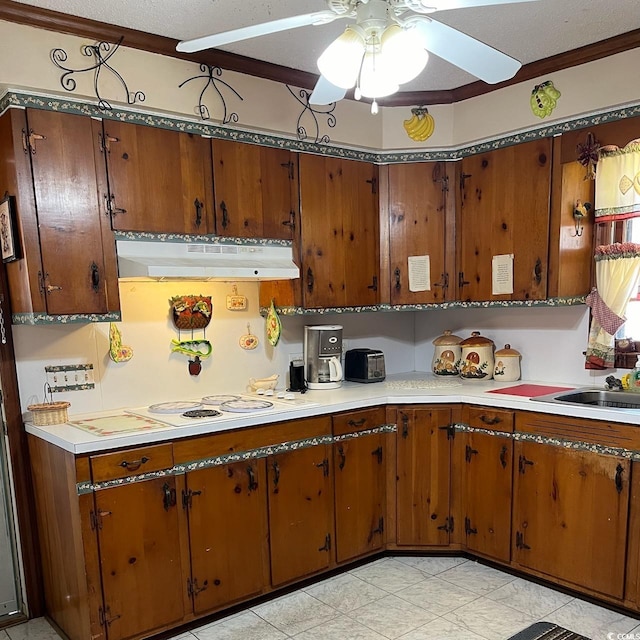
(507, 367)
(477, 357)
(446, 355)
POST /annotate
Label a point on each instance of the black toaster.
(364, 365)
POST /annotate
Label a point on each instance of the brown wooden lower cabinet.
(486, 495)
(300, 513)
(570, 515)
(359, 465)
(227, 512)
(423, 476)
(140, 565)
(125, 562)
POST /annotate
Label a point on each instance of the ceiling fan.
(387, 45)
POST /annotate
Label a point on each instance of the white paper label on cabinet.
(419, 273)
(502, 274)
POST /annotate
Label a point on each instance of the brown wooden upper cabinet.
(340, 238)
(66, 254)
(504, 210)
(159, 180)
(417, 213)
(256, 190)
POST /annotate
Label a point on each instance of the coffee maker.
(322, 356)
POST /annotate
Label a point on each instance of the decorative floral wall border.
(294, 445)
(76, 318)
(16, 98)
(144, 236)
(519, 436)
(228, 458)
(454, 304)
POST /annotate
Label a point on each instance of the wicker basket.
(49, 413)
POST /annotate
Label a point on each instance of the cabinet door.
(66, 194)
(423, 462)
(300, 513)
(417, 211)
(505, 201)
(340, 240)
(227, 531)
(159, 180)
(254, 190)
(486, 498)
(570, 515)
(140, 561)
(360, 496)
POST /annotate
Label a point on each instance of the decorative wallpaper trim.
(384, 428)
(228, 458)
(76, 318)
(144, 236)
(518, 436)
(15, 98)
(456, 304)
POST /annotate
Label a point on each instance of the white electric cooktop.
(221, 407)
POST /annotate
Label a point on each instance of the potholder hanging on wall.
(118, 352)
(274, 328)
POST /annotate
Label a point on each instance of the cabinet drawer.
(110, 466)
(358, 421)
(485, 418)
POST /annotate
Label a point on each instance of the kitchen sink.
(594, 398)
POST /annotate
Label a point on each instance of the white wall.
(551, 340)
(154, 374)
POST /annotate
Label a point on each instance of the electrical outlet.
(70, 377)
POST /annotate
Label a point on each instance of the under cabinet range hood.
(169, 260)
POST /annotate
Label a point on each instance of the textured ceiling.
(528, 31)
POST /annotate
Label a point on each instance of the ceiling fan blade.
(445, 5)
(265, 28)
(466, 52)
(325, 93)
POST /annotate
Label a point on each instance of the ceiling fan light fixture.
(340, 62)
(376, 78)
(403, 52)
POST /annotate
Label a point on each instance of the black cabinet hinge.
(187, 498)
(448, 525)
(105, 618)
(468, 529)
(451, 431)
(327, 543)
(378, 530)
(523, 463)
(469, 452)
(520, 543)
(193, 589)
(325, 467)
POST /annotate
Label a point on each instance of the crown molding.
(64, 23)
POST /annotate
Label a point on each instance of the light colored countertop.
(397, 389)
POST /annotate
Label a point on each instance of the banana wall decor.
(420, 125)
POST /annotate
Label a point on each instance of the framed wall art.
(8, 236)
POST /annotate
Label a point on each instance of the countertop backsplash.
(551, 341)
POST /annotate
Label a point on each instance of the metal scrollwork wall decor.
(208, 73)
(102, 52)
(303, 98)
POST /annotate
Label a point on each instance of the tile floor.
(411, 598)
